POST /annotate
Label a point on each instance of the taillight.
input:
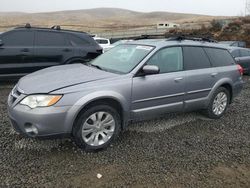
(240, 69)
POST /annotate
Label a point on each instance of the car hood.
(58, 77)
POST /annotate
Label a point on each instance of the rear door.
(51, 48)
(200, 77)
(16, 53)
(224, 63)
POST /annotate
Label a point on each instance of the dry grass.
(93, 20)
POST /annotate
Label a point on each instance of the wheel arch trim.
(100, 95)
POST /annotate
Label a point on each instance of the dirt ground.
(178, 150)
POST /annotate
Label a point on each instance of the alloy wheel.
(98, 128)
(220, 103)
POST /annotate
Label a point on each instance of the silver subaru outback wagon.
(92, 103)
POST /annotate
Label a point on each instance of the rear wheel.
(96, 127)
(218, 104)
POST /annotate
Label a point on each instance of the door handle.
(178, 79)
(67, 50)
(214, 74)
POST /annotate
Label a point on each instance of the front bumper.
(44, 122)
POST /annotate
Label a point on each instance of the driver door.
(160, 93)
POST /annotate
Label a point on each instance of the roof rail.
(193, 38)
(56, 27)
(141, 37)
(27, 25)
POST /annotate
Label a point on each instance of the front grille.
(15, 94)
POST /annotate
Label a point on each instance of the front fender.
(85, 100)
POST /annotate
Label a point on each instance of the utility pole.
(247, 8)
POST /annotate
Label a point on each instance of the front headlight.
(34, 101)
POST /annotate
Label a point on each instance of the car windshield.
(122, 59)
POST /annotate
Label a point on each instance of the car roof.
(99, 38)
(159, 43)
(52, 30)
(231, 48)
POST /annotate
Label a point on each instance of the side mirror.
(1, 42)
(150, 69)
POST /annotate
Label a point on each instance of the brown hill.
(95, 19)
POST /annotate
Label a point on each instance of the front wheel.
(218, 104)
(96, 127)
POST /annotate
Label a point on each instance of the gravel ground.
(179, 150)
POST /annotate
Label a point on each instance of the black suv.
(28, 49)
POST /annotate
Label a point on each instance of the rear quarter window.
(101, 41)
(195, 58)
(77, 41)
(219, 57)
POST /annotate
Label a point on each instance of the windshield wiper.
(96, 66)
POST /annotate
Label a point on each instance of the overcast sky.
(209, 7)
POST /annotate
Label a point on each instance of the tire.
(85, 123)
(211, 111)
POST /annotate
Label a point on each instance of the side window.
(44, 38)
(219, 57)
(168, 60)
(77, 41)
(235, 44)
(236, 53)
(242, 44)
(18, 38)
(244, 53)
(101, 41)
(195, 58)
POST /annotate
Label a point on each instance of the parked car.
(28, 49)
(133, 81)
(116, 44)
(241, 44)
(104, 43)
(242, 57)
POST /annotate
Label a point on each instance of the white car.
(115, 44)
(104, 43)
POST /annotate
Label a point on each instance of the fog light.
(30, 129)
